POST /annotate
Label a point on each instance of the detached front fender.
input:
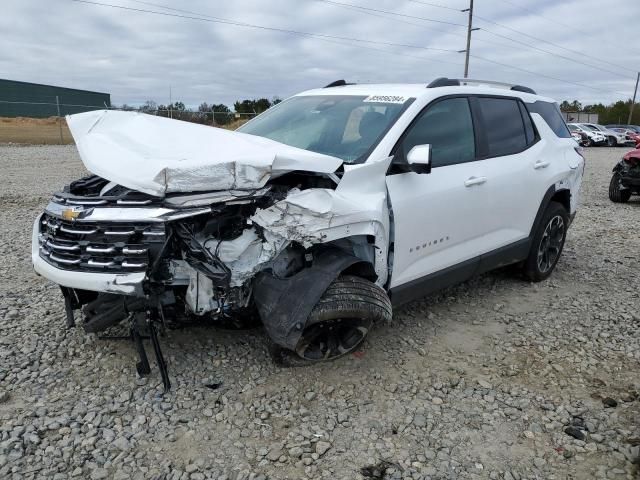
(285, 304)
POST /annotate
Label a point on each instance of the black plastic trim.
(284, 304)
(338, 83)
(420, 287)
(444, 82)
(546, 199)
(522, 88)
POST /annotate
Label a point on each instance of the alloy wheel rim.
(551, 244)
(332, 339)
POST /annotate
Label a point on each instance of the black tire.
(339, 322)
(591, 143)
(612, 142)
(547, 244)
(616, 194)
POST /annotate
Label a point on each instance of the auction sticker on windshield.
(385, 99)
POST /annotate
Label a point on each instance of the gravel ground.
(481, 381)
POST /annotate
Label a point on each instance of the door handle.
(471, 181)
(541, 164)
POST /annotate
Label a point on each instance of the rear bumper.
(124, 284)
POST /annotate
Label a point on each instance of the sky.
(138, 56)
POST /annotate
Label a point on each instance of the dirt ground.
(49, 131)
(496, 378)
(34, 131)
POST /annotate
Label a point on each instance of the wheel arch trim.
(284, 304)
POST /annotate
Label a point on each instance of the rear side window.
(528, 125)
(550, 112)
(504, 126)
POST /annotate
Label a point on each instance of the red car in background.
(626, 178)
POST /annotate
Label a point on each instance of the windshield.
(573, 128)
(589, 127)
(343, 126)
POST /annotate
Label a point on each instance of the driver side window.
(448, 128)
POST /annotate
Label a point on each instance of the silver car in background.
(613, 138)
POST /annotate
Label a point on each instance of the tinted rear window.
(550, 112)
(504, 126)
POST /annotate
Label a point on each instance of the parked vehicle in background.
(577, 137)
(631, 135)
(580, 136)
(635, 128)
(613, 138)
(626, 178)
(314, 216)
(594, 137)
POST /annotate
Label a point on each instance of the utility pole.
(633, 102)
(469, 30)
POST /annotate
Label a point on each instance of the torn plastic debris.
(157, 155)
(247, 254)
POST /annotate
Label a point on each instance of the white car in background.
(315, 217)
(594, 137)
(613, 138)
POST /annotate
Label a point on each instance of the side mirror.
(419, 159)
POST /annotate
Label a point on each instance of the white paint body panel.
(438, 221)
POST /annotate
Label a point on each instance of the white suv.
(315, 217)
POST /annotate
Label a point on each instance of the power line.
(571, 27)
(549, 42)
(333, 38)
(262, 27)
(336, 42)
(406, 22)
(491, 32)
(533, 47)
(359, 7)
(537, 74)
(531, 12)
(435, 5)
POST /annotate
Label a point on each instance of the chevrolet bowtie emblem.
(71, 213)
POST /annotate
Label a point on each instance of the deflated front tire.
(339, 322)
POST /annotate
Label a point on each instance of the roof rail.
(455, 82)
(338, 83)
(444, 82)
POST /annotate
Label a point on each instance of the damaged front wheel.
(339, 322)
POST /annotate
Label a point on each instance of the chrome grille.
(99, 246)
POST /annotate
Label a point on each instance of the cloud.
(137, 56)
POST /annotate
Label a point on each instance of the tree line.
(206, 113)
(617, 112)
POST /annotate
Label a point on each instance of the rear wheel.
(612, 142)
(339, 322)
(547, 244)
(616, 193)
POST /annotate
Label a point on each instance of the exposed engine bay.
(238, 255)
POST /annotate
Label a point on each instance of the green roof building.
(23, 99)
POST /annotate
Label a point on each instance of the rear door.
(516, 165)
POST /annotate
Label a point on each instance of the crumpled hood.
(157, 155)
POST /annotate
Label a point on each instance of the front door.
(440, 218)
